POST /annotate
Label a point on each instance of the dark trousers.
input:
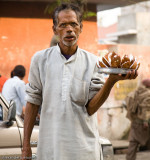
(138, 136)
(132, 149)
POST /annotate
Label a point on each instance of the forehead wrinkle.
(67, 17)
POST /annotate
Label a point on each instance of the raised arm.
(29, 121)
(96, 102)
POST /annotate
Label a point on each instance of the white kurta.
(63, 88)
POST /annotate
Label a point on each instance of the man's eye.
(63, 25)
(73, 24)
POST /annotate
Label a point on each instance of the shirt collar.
(72, 58)
(16, 77)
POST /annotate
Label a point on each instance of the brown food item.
(135, 65)
(129, 62)
(110, 60)
(126, 65)
(102, 65)
(113, 60)
(132, 59)
(105, 60)
(125, 59)
(138, 65)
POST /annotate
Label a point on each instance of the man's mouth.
(69, 38)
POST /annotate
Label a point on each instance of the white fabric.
(63, 88)
(14, 89)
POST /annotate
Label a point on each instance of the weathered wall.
(20, 38)
(137, 22)
(113, 123)
(126, 22)
(141, 52)
(143, 27)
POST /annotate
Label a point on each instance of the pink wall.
(141, 52)
(104, 31)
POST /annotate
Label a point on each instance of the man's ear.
(81, 26)
(54, 30)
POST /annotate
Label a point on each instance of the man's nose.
(69, 28)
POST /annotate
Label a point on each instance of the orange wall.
(20, 38)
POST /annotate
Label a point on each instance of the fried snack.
(113, 60)
(138, 65)
(102, 65)
(110, 60)
(106, 60)
(129, 62)
(135, 65)
(126, 64)
(125, 59)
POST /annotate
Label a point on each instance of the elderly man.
(138, 107)
(64, 80)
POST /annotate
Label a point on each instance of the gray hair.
(67, 6)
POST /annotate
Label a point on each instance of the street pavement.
(121, 146)
(144, 155)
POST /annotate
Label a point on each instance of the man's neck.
(65, 50)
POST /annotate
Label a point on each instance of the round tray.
(114, 70)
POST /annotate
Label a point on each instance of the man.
(14, 89)
(64, 80)
(138, 111)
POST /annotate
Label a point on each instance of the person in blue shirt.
(14, 89)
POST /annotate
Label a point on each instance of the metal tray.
(114, 70)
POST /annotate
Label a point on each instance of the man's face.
(68, 28)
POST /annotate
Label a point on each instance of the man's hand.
(130, 75)
(26, 153)
(29, 121)
(96, 102)
(145, 125)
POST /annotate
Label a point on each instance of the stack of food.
(113, 60)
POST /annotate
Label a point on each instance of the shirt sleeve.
(34, 87)
(96, 83)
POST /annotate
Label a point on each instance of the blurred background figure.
(2, 81)
(14, 89)
(54, 41)
(11, 73)
(138, 111)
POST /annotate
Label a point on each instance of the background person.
(138, 111)
(54, 41)
(65, 82)
(12, 74)
(14, 89)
